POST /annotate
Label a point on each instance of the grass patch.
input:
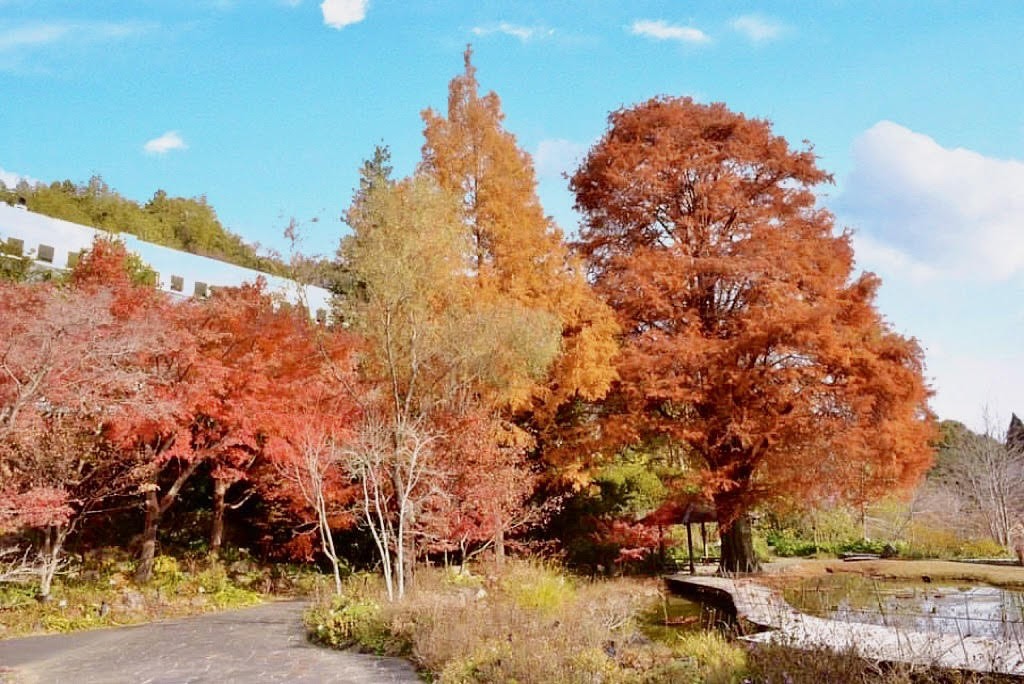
(99, 592)
(949, 572)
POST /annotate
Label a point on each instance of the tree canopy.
(514, 250)
(746, 338)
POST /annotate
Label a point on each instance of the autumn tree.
(514, 250)
(72, 364)
(487, 485)
(243, 379)
(309, 472)
(746, 338)
(433, 349)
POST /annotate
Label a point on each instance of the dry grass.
(912, 571)
(529, 623)
(778, 664)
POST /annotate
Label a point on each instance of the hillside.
(188, 224)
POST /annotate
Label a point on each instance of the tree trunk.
(499, 540)
(53, 546)
(738, 547)
(148, 552)
(156, 505)
(220, 490)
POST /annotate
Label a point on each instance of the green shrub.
(167, 573)
(876, 546)
(483, 665)
(715, 659)
(354, 621)
(538, 587)
(460, 577)
(981, 548)
(785, 543)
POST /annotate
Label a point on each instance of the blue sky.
(269, 106)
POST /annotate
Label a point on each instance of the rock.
(241, 567)
(133, 600)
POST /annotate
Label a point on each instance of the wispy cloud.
(170, 140)
(47, 33)
(662, 30)
(30, 36)
(758, 28)
(523, 33)
(340, 13)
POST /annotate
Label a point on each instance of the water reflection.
(961, 610)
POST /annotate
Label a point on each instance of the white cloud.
(11, 179)
(969, 385)
(523, 33)
(879, 257)
(949, 210)
(170, 140)
(340, 13)
(758, 28)
(661, 30)
(556, 156)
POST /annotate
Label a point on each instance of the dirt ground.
(784, 571)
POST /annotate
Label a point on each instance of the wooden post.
(704, 539)
(689, 545)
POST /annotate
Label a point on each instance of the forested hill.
(190, 225)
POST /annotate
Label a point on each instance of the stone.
(133, 600)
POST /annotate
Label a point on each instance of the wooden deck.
(766, 609)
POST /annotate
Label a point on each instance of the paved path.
(262, 644)
(767, 609)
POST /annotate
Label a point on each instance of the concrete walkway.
(266, 643)
(766, 609)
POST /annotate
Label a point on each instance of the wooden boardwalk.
(766, 609)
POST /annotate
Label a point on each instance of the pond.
(954, 609)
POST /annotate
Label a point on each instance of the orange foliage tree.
(515, 251)
(746, 339)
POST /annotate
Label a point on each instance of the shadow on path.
(266, 643)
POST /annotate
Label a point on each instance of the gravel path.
(262, 644)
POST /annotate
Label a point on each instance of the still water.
(962, 610)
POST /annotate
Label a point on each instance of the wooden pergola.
(683, 510)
